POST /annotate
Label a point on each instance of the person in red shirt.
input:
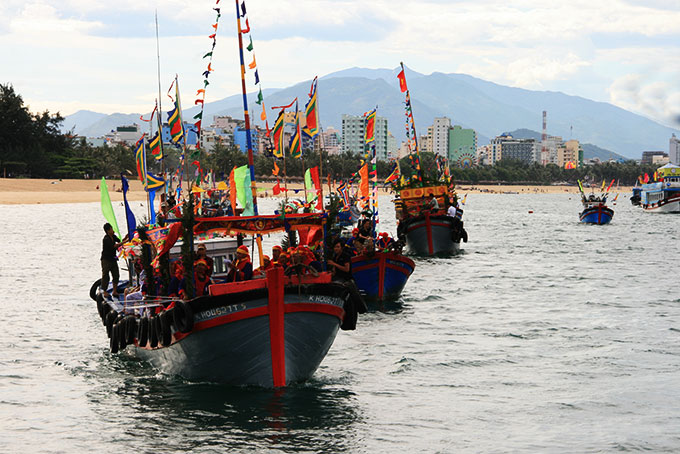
(266, 265)
(242, 268)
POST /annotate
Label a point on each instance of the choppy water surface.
(543, 336)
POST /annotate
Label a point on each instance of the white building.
(330, 139)
(353, 130)
(674, 150)
(440, 136)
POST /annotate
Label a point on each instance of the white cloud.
(655, 99)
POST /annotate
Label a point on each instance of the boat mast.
(413, 124)
(249, 141)
(160, 118)
(184, 136)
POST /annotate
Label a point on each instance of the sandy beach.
(36, 191)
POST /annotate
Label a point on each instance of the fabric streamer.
(129, 215)
(107, 207)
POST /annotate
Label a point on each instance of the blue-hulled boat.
(597, 213)
(381, 276)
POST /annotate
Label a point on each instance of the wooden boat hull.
(597, 215)
(266, 332)
(382, 276)
(430, 235)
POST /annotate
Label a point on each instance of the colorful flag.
(243, 189)
(394, 176)
(402, 81)
(277, 188)
(129, 215)
(153, 181)
(295, 140)
(140, 159)
(311, 128)
(107, 207)
(279, 148)
(175, 119)
(155, 146)
(646, 178)
(343, 190)
(369, 135)
(363, 183)
(275, 172)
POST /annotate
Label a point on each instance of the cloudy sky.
(66, 55)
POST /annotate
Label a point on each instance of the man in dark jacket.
(110, 245)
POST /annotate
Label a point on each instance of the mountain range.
(487, 107)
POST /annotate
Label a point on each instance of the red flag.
(277, 188)
(232, 190)
(402, 81)
(646, 178)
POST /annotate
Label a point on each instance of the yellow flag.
(603, 183)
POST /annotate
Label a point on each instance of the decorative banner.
(107, 207)
(369, 135)
(243, 190)
(311, 128)
(206, 73)
(295, 140)
(140, 159)
(279, 147)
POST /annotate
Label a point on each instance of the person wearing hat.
(242, 268)
(202, 281)
(385, 242)
(201, 254)
(276, 252)
(298, 265)
(266, 265)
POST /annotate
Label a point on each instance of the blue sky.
(67, 55)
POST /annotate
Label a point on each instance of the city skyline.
(73, 55)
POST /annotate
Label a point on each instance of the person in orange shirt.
(242, 268)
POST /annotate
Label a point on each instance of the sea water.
(543, 335)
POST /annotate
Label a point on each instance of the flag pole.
(184, 135)
(249, 141)
(160, 119)
(413, 123)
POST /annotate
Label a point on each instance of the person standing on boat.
(434, 203)
(110, 245)
(340, 263)
(242, 268)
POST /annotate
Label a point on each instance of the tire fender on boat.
(165, 318)
(130, 326)
(94, 288)
(153, 332)
(110, 320)
(183, 317)
(119, 329)
(143, 332)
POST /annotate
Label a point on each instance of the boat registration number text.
(326, 300)
(219, 311)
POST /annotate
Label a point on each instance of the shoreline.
(38, 191)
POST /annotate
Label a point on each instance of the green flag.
(311, 190)
(107, 208)
(243, 190)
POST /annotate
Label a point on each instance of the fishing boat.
(596, 211)
(662, 196)
(270, 331)
(429, 220)
(381, 276)
(427, 230)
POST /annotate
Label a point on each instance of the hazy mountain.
(81, 120)
(487, 107)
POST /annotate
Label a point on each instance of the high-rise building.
(674, 150)
(392, 147)
(570, 153)
(440, 135)
(507, 147)
(330, 139)
(353, 130)
(462, 147)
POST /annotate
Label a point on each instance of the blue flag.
(129, 215)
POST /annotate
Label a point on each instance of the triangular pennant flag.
(260, 98)
(252, 64)
(250, 46)
(209, 54)
(257, 78)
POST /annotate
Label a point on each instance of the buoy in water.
(531, 211)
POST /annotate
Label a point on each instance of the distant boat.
(661, 196)
(596, 211)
